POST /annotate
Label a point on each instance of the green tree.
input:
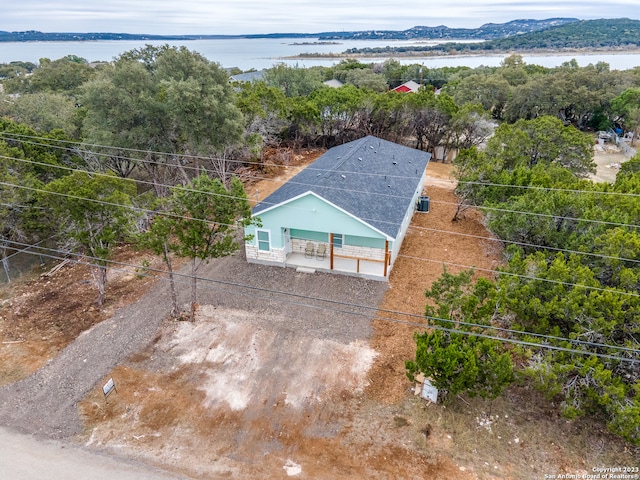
(15, 69)
(468, 127)
(513, 70)
(626, 108)
(338, 110)
(293, 81)
(462, 363)
(303, 116)
(572, 281)
(44, 155)
(543, 140)
(565, 299)
(455, 355)
(342, 68)
(203, 224)
(387, 116)
(64, 75)
(629, 168)
(366, 78)
(158, 238)
(491, 91)
(264, 109)
(93, 213)
(166, 102)
(393, 72)
(430, 116)
(18, 201)
(44, 111)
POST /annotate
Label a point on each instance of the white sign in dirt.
(429, 392)
(108, 387)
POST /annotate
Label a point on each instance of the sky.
(236, 17)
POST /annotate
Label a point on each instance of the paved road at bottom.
(23, 457)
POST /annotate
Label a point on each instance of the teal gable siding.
(353, 240)
(365, 241)
(310, 235)
(313, 214)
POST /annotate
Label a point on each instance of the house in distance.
(346, 213)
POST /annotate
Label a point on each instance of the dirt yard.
(300, 388)
(608, 159)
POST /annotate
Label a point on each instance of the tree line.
(562, 313)
(614, 33)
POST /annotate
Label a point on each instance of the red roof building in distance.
(407, 87)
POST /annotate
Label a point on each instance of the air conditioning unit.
(423, 204)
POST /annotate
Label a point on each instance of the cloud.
(251, 16)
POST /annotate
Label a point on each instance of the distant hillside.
(36, 36)
(621, 32)
(485, 32)
(582, 34)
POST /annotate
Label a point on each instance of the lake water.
(261, 53)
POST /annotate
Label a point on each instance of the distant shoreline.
(537, 52)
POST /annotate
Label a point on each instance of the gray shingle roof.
(371, 178)
(248, 76)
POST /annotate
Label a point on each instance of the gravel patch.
(317, 305)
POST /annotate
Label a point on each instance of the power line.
(524, 244)
(120, 205)
(251, 162)
(500, 272)
(102, 174)
(545, 215)
(549, 189)
(386, 195)
(112, 262)
(174, 155)
(526, 277)
(366, 307)
(169, 214)
(156, 184)
(483, 207)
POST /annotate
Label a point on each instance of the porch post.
(386, 256)
(331, 251)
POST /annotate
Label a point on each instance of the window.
(264, 242)
(337, 240)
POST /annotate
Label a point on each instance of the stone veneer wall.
(273, 255)
(366, 253)
(298, 245)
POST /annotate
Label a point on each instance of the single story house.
(408, 87)
(248, 77)
(347, 212)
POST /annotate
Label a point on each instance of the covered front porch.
(367, 255)
(374, 270)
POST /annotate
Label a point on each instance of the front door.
(287, 242)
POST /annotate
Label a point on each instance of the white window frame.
(268, 240)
